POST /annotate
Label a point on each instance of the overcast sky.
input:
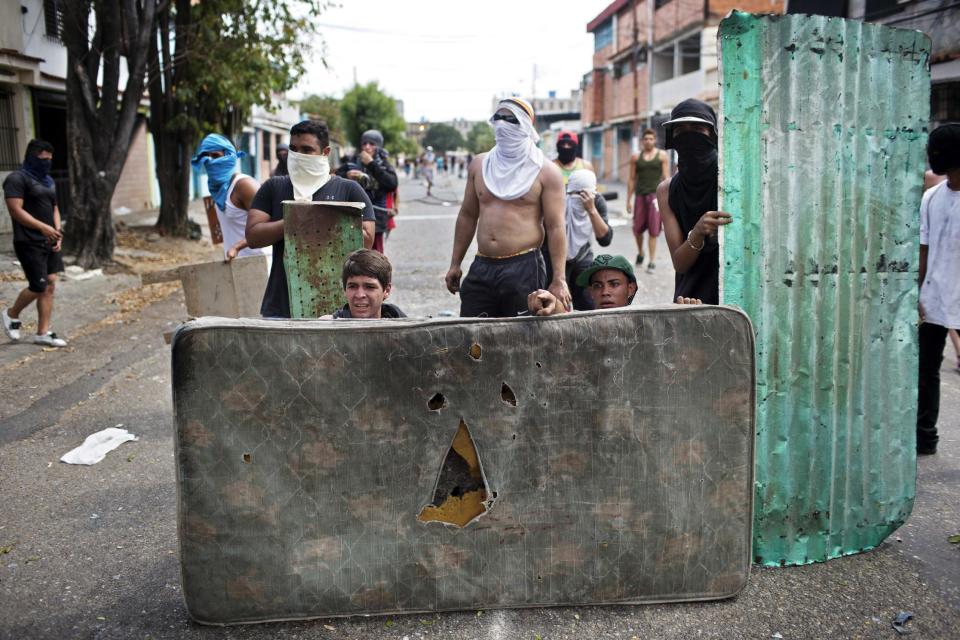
(448, 59)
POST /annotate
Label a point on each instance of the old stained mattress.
(602, 457)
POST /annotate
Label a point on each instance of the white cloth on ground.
(940, 231)
(97, 446)
(510, 168)
(579, 227)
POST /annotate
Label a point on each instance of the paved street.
(91, 552)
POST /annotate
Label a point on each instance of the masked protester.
(585, 219)
(688, 202)
(281, 168)
(232, 193)
(939, 281)
(31, 199)
(308, 162)
(372, 169)
(567, 158)
(511, 197)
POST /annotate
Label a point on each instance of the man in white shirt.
(939, 276)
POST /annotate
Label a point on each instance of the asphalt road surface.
(91, 552)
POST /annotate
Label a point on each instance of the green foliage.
(443, 138)
(241, 54)
(367, 107)
(480, 138)
(404, 145)
(326, 108)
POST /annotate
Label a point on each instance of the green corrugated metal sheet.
(822, 155)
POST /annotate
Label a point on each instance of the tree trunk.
(89, 233)
(173, 175)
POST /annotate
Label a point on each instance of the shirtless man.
(512, 195)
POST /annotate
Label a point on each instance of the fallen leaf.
(32, 559)
(328, 627)
(100, 618)
(131, 457)
(388, 623)
(954, 539)
(6, 549)
(426, 622)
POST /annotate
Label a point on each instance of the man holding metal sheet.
(512, 196)
(939, 276)
(309, 179)
(688, 202)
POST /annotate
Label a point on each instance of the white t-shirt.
(940, 231)
(233, 224)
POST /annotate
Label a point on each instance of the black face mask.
(697, 156)
(566, 155)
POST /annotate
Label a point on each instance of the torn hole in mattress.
(461, 494)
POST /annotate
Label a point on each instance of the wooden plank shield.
(334, 468)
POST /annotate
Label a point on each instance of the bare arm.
(465, 229)
(242, 197)
(685, 251)
(554, 223)
(631, 182)
(261, 231)
(22, 216)
(58, 226)
(664, 165)
(369, 231)
(600, 226)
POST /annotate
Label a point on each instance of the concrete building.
(939, 19)
(648, 56)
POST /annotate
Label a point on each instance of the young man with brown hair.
(367, 282)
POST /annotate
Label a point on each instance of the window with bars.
(53, 18)
(9, 160)
(945, 102)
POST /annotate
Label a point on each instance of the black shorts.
(38, 262)
(498, 287)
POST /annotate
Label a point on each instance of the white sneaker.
(50, 340)
(11, 326)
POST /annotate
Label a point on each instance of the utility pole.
(635, 58)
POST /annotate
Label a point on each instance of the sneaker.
(49, 340)
(639, 259)
(926, 449)
(651, 266)
(11, 326)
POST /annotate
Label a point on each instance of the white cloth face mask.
(308, 173)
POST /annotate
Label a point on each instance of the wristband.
(693, 246)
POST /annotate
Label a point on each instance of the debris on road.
(954, 539)
(74, 272)
(98, 445)
(899, 623)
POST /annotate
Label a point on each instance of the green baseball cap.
(606, 261)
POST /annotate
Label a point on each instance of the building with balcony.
(648, 56)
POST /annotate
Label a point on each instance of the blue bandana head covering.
(219, 170)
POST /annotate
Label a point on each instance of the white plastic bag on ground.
(98, 445)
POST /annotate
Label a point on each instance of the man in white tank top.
(232, 193)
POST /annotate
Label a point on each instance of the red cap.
(568, 135)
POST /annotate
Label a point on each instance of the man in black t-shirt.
(31, 199)
(309, 178)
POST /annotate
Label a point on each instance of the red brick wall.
(609, 140)
(133, 188)
(675, 17)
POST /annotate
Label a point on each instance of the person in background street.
(372, 169)
(610, 281)
(309, 179)
(939, 281)
(567, 158)
(585, 218)
(512, 197)
(281, 168)
(688, 202)
(367, 282)
(232, 193)
(31, 198)
(648, 169)
(427, 167)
